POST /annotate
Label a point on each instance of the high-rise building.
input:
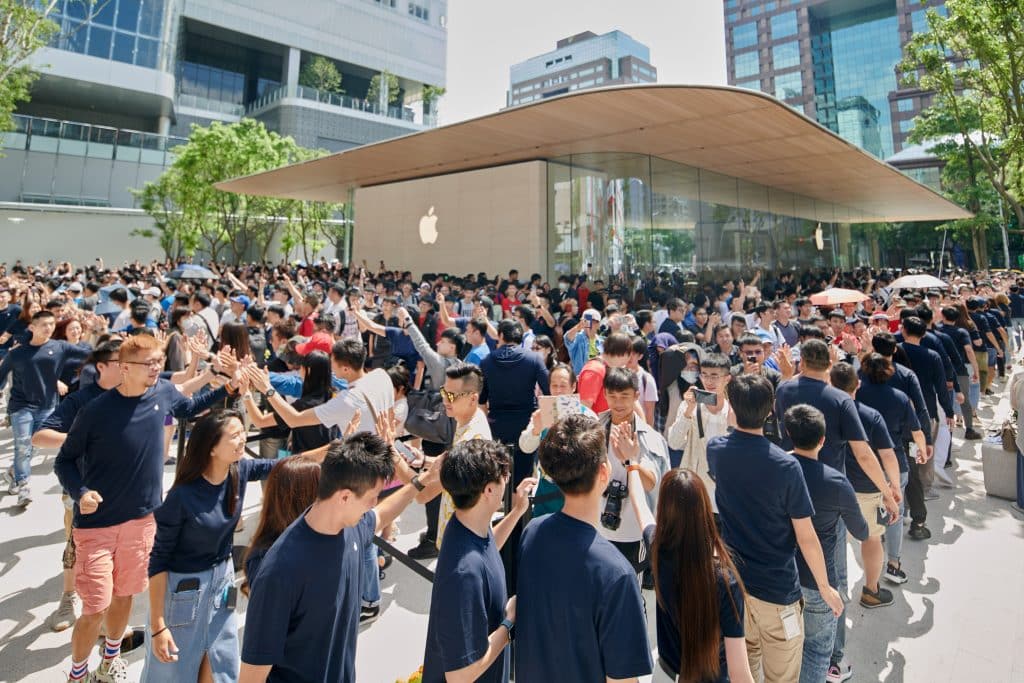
(585, 60)
(834, 60)
(124, 80)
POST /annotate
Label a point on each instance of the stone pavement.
(958, 619)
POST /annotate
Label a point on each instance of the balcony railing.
(329, 98)
(207, 104)
(32, 133)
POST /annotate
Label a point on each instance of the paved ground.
(958, 619)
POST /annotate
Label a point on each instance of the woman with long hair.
(700, 593)
(288, 491)
(193, 632)
(315, 371)
(543, 345)
(237, 337)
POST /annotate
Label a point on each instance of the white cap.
(152, 291)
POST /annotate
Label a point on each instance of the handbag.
(427, 418)
(1009, 436)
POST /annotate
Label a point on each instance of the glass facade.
(784, 24)
(746, 65)
(744, 35)
(855, 57)
(129, 31)
(218, 71)
(786, 55)
(630, 213)
(788, 86)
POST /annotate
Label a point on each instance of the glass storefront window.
(99, 42)
(788, 86)
(632, 214)
(786, 55)
(85, 28)
(128, 15)
(124, 47)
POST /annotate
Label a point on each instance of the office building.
(124, 80)
(834, 60)
(585, 60)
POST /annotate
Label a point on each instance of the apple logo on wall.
(428, 227)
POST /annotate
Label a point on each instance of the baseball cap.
(592, 313)
(764, 336)
(241, 299)
(152, 291)
(879, 315)
(75, 287)
(320, 341)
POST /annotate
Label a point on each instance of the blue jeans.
(841, 585)
(894, 532)
(371, 576)
(201, 624)
(819, 634)
(24, 424)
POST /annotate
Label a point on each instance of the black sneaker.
(647, 580)
(367, 614)
(133, 640)
(972, 435)
(894, 574)
(426, 550)
(919, 532)
(872, 599)
(384, 560)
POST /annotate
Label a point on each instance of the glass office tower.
(834, 60)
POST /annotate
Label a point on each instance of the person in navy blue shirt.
(112, 465)
(303, 616)
(833, 499)
(968, 378)
(579, 613)
(765, 511)
(471, 620)
(194, 629)
(9, 314)
(35, 367)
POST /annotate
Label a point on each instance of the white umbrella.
(918, 282)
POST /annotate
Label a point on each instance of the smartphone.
(883, 516)
(708, 398)
(406, 452)
(185, 585)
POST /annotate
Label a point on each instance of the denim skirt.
(201, 624)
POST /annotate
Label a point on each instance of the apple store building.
(624, 180)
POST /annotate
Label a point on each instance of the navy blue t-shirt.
(961, 339)
(897, 413)
(579, 615)
(402, 347)
(510, 377)
(467, 603)
(833, 499)
(303, 614)
(927, 365)
(906, 381)
(760, 490)
(8, 317)
(842, 424)
(35, 370)
(61, 419)
(193, 529)
(878, 438)
(730, 614)
(116, 448)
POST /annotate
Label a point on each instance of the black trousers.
(915, 493)
(433, 506)
(506, 428)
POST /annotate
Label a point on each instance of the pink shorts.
(112, 560)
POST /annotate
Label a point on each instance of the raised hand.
(521, 497)
(353, 425)
(625, 441)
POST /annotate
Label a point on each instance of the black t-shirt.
(303, 614)
(467, 603)
(833, 499)
(306, 438)
(760, 490)
(878, 438)
(730, 614)
(579, 612)
(842, 424)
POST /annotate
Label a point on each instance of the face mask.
(689, 376)
(563, 286)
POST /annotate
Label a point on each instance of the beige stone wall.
(77, 235)
(489, 220)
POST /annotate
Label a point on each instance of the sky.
(486, 37)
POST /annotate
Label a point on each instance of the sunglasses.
(452, 398)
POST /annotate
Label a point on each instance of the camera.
(611, 518)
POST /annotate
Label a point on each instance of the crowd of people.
(717, 442)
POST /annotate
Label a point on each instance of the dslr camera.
(611, 518)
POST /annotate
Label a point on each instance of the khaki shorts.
(111, 561)
(869, 504)
(770, 649)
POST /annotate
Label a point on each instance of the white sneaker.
(837, 673)
(115, 672)
(24, 495)
(66, 613)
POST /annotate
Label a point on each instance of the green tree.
(24, 28)
(373, 94)
(973, 62)
(170, 226)
(430, 95)
(321, 73)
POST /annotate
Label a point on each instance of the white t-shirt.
(477, 428)
(375, 386)
(629, 529)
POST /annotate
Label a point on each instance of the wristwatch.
(269, 392)
(417, 484)
(510, 627)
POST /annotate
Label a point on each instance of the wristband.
(632, 468)
(417, 484)
(154, 634)
(510, 627)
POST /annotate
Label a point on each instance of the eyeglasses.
(710, 375)
(453, 397)
(156, 363)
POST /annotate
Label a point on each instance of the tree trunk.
(979, 242)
